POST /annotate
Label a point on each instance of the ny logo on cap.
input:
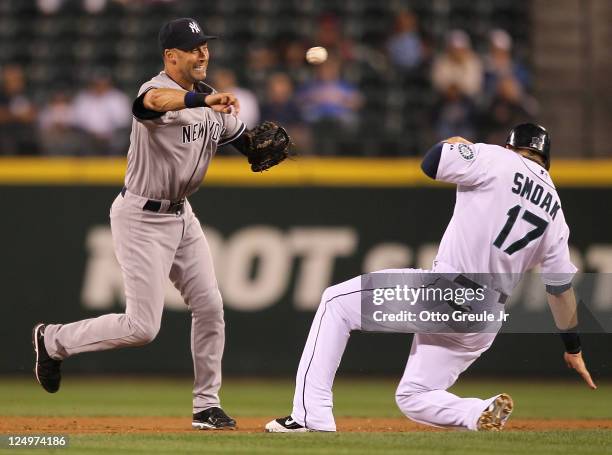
(537, 142)
(194, 27)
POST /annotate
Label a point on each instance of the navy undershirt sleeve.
(141, 112)
(556, 290)
(431, 160)
(240, 143)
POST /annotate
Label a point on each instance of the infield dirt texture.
(132, 415)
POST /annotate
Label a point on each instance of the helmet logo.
(537, 142)
(194, 27)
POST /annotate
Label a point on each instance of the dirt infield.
(116, 424)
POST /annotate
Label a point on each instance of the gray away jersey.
(169, 155)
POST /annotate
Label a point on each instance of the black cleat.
(213, 419)
(46, 369)
(284, 425)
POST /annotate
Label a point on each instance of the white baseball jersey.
(507, 218)
(169, 155)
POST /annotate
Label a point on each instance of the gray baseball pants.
(150, 247)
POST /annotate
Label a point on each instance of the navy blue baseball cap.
(184, 34)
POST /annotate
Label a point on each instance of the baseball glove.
(268, 145)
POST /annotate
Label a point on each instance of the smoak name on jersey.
(536, 194)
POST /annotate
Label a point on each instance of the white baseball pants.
(151, 247)
(434, 364)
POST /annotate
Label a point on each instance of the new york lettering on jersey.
(197, 131)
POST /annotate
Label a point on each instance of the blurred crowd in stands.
(479, 95)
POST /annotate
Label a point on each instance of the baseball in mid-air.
(316, 55)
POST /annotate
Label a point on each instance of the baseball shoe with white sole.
(497, 414)
(46, 369)
(285, 425)
(213, 419)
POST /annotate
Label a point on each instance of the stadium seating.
(59, 49)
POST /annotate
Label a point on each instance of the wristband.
(556, 290)
(571, 340)
(194, 99)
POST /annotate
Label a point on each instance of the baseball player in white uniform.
(507, 219)
(178, 124)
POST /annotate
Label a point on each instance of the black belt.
(153, 205)
(464, 281)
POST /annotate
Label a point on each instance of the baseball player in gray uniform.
(178, 124)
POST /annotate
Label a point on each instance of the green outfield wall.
(276, 248)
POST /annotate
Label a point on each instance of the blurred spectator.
(224, 80)
(329, 96)
(105, 114)
(94, 6)
(56, 124)
(53, 6)
(509, 107)
(458, 66)
(329, 35)
(454, 115)
(17, 114)
(498, 63)
(261, 62)
(49, 6)
(330, 104)
(279, 102)
(405, 47)
(360, 59)
(295, 62)
(280, 106)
